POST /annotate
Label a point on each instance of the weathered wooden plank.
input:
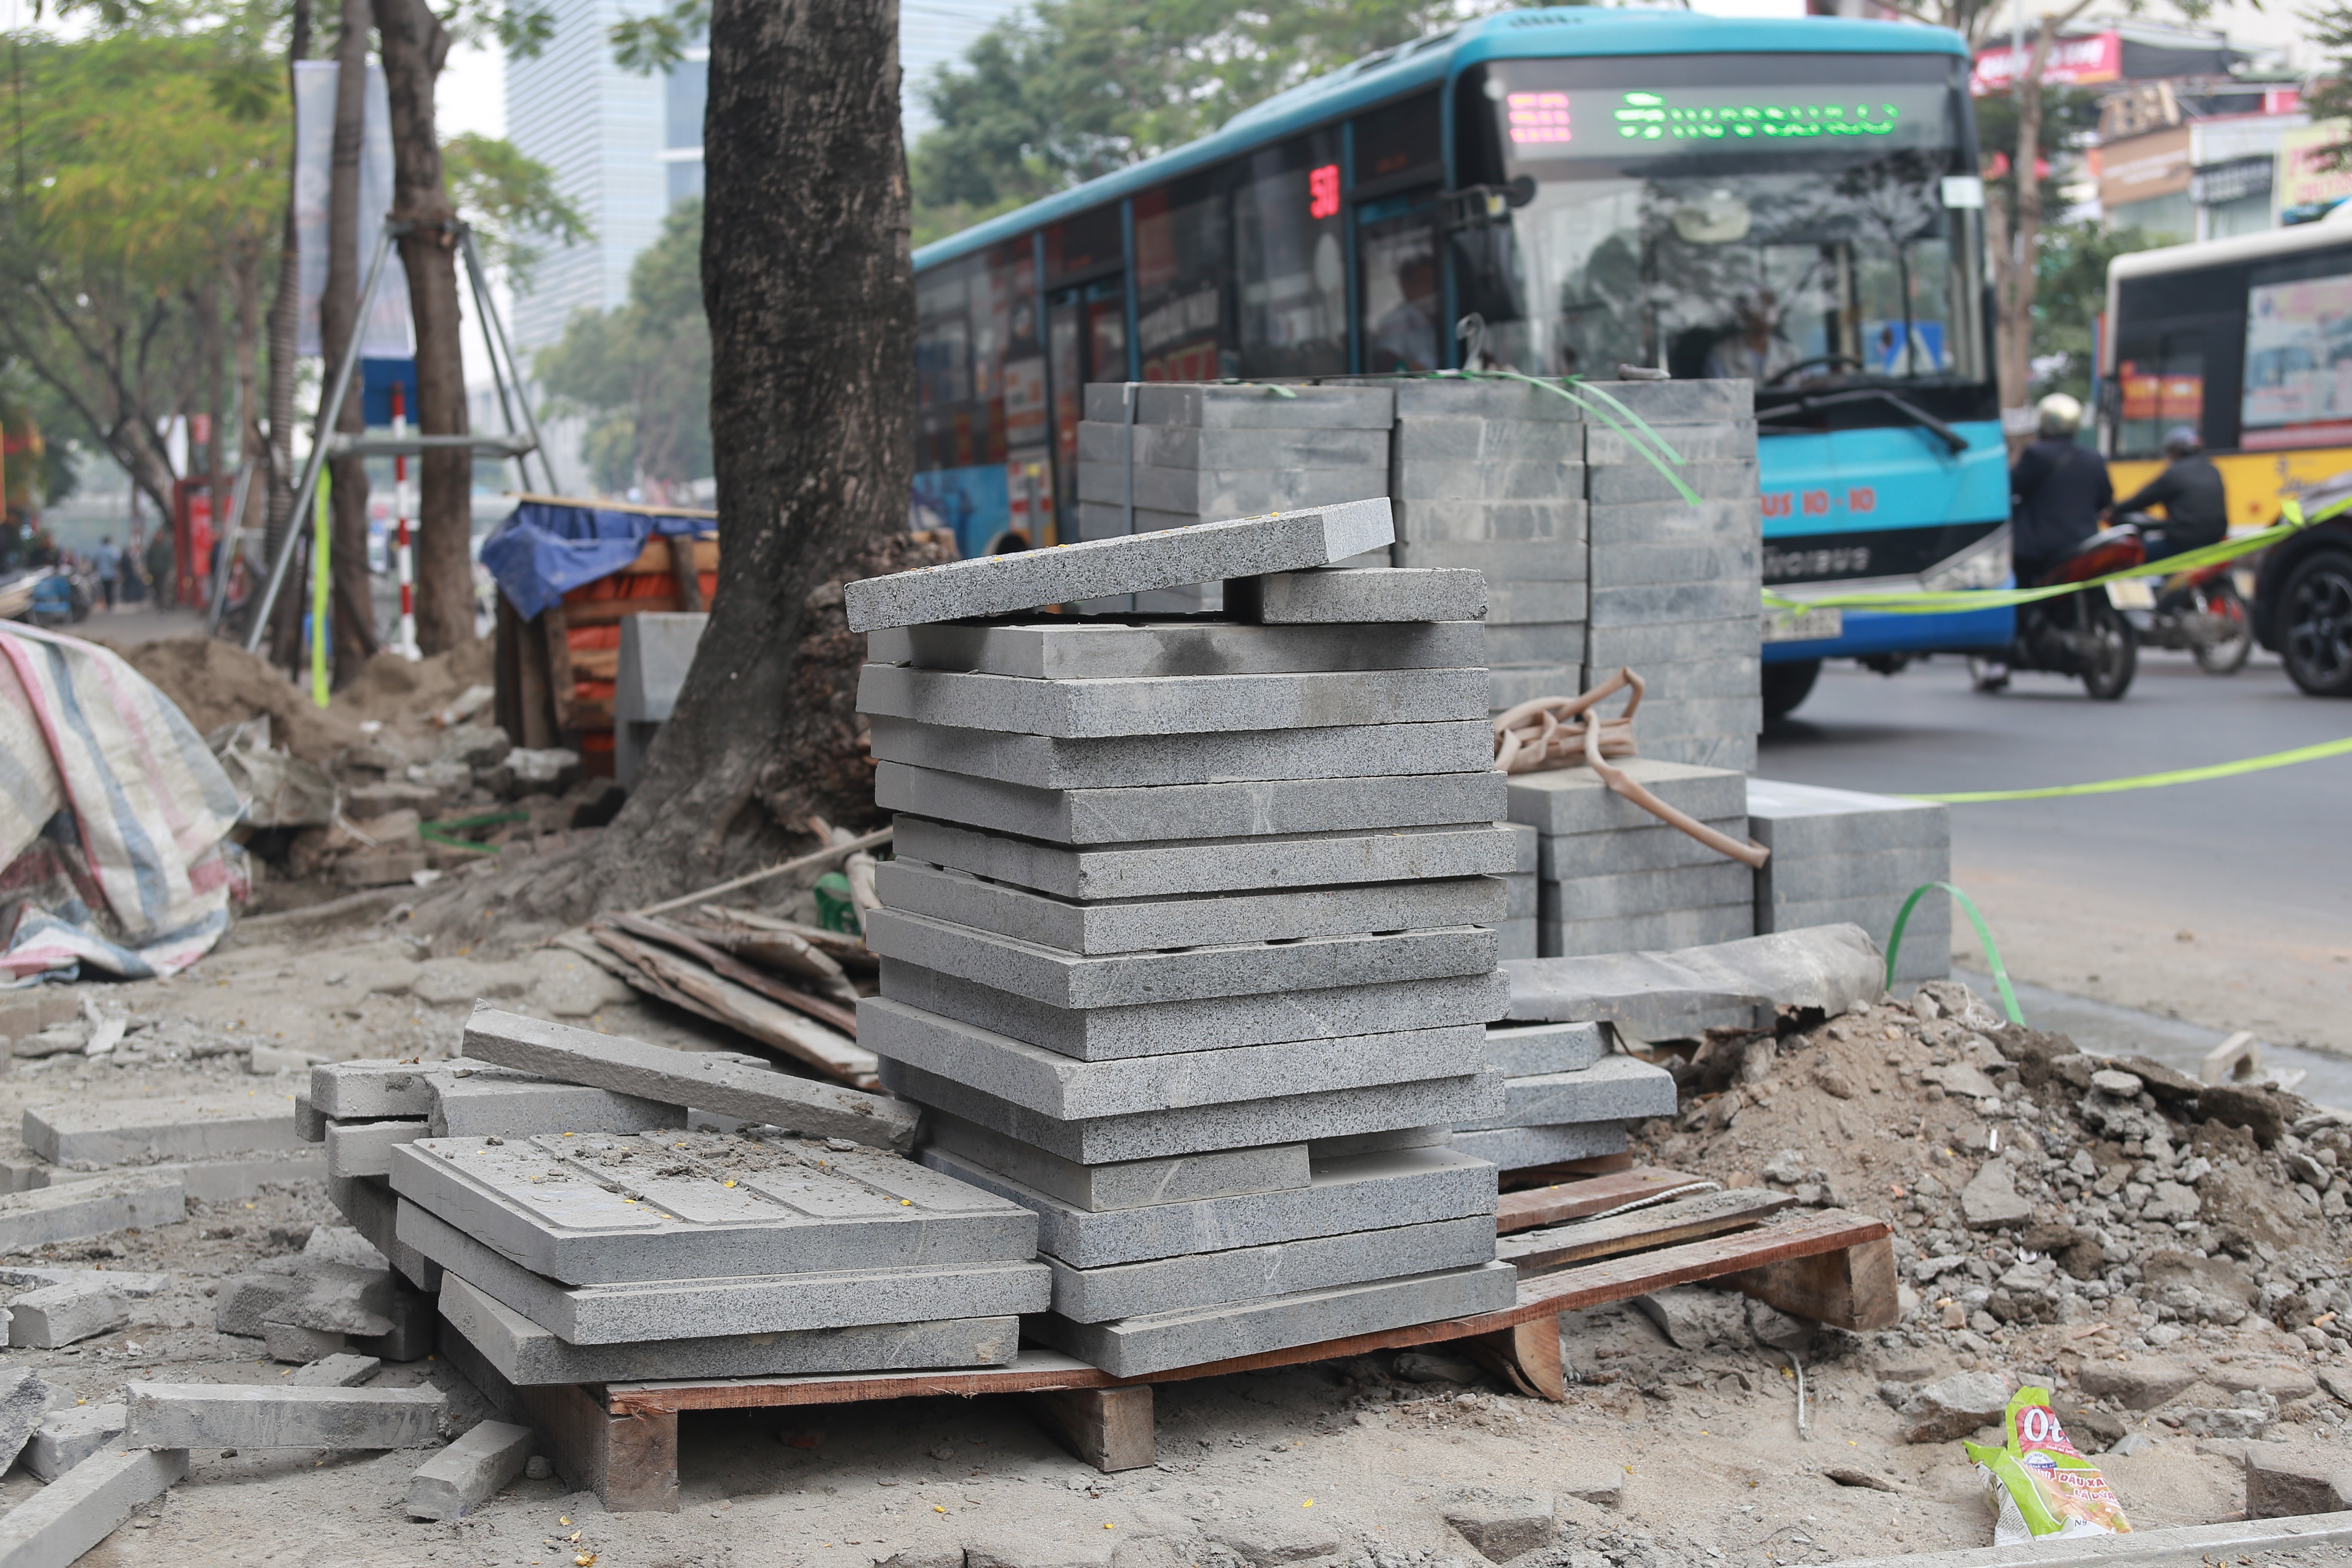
(699, 990)
(733, 968)
(629, 1459)
(1032, 1371)
(1575, 1200)
(1109, 1428)
(1686, 1219)
(1853, 1288)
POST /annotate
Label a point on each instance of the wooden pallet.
(620, 1440)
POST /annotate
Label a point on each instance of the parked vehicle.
(2302, 597)
(2200, 610)
(2082, 634)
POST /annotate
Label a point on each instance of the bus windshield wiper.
(1814, 402)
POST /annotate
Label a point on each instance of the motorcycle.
(2081, 633)
(2201, 610)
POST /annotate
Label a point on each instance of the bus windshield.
(1807, 222)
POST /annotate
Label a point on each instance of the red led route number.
(1323, 192)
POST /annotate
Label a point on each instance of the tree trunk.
(415, 44)
(217, 485)
(809, 290)
(2016, 301)
(245, 278)
(351, 610)
(285, 324)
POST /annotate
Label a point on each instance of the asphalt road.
(2249, 877)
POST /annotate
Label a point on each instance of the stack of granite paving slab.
(1189, 939)
(1611, 877)
(1843, 856)
(1566, 1095)
(1490, 475)
(1676, 586)
(1154, 455)
(1521, 900)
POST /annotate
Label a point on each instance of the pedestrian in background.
(160, 569)
(106, 562)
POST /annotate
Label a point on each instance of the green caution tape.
(1594, 401)
(1984, 939)
(2151, 781)
(446, 831)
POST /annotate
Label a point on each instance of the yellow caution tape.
(2152, 781)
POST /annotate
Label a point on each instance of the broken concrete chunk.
(136, 1284)
(1692, 1317)
(1265, 1539)
(24, 1404)
(2283, 1482)
(245, 1301)
(335, 1372)
(685, 1077)
(85, 1505)
(66, 1437)
(1501, 1525)
(2121, 1085)
(1989, 1201)
(340, 1298)
(300, 1346)
(1960, 1079)
(1954, 1406)
(341, 1243)
(469, 1471)
(57, 1315)
(371, 1091)
(218, 1416)
(2138, 1383)
(113, 1131)
(75, 1211)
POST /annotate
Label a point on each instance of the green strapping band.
(1984, 939)
(1643, 439)
(2151, 781)
(445, 833)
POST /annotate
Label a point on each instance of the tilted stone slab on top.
(529, 1356)
(684, 1077)
(1124, 761)
(469, 1101)
(1160, 812)
(1205, 553)
(1135, 1346)
(1614, 1089)
(689, 1308)
(1161, 1028)
(1177, 867)
(1061, 979)
(1258, 1273)
(1518, 1148)
(1123, 1185)
(1362, 1191)
(1055, 1085)
(1524, 1050)
(1099, 648)
(1386, 594)
(1131, 925)
(1170, 704)
(605, 1207)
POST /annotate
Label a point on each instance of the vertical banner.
(385, 328)
(321, 594)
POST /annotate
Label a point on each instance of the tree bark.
(351, 610)
(245, 279)
(414, 46)
(2017, 259)
(285, 324)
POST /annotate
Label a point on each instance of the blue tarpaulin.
(543, 551)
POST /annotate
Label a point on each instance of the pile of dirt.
(392, 691)
(216, 683)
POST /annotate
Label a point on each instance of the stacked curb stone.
(1840, 855)
(1197, 967)
(1154, 457)
(1565, 1097)
(1611, 877)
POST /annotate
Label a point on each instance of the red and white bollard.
(404, 559)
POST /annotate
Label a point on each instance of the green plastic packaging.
(835, 910)
(2046, 1488)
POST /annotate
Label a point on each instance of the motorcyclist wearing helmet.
(2196, 510)
(2057, 491)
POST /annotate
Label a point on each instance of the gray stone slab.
(1170, 704)
(288, 1342)
(1656, 604)
(1533, 601)
(1736, 752)
(1517, 1148)
(1055, 1085)
(1620, 565)
(364, 1148)
(1127, 1184)
(1196, 920)
(1526, 1050)
(1194, 446)
(1529, 841)
(1675, 643)
(274, 1415)
(1188, 1130)
(79, 1210)
(1622, 484)
(1460, 397)
(1647, 992)
(1468, 438)
(1135, 1346)
(684, 1077)
(1563, 801)
(1814, 879)
(1676, 402)
(603, 1208)
(371, 1091)
(1673, 681)
(1583, 898)
(469, 1471)
(469, 1101)
(1434, 1137)
(1364, 1192)
(1547, 535)
(1676, 521)
(1259, 1273)
(54, 1526)
(1520, 899)
(1505, 563)
(1221, 407)
(1711, 442)
(1643, 933)
(1616, 851)
(57, 1315)
(1147, 813)
(1040, 762)
(1071, 980)
(1510, 685)
(1206, 493)
(344, 1370)
(1664, 718)
(1488, 479)
(115, 1132)
(1873, 913)
(529, 1356)
(1796, 819)
(1166, 1028)
(997, 585)
(66, 1437)
(1559, 644)
(369, 1204)
(1386, 595)
(689, 1308)
(1614, 1089)
(1098, 648)
(133, 1283)
(1516, 937)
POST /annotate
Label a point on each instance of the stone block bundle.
(1565, 1097)
(1611, 877)
(1840, 855)
(1154, 457)
(1521, 900)
(1190, 944)
(1676, 587)
(573, 1252)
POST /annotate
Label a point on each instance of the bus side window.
(1396, 249)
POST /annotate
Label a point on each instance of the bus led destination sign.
(1657, 117)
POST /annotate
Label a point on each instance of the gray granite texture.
(1795, 820)
(1098, 649)
(1519, 1148)
(1214, 406)
(1614, 1089)
(1500, 399)
(1571, 857)
(467, 1103)
(1516, 938)
(1170, 704)
(1127, 1184)
(1524, 1050)
(1257, 1273)
(272, 1416)
(1578, 899)
(1700, 927)
(1468, 438)
(1378, 594)
(1561, 801)
(1042, 762)
(1822, 878)
(1195, 446)
(371, 1091)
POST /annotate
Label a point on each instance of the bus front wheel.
(2315, 624)
(1786, 686)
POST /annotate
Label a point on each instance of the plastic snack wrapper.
(2046, 1488)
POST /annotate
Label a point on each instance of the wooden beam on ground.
(1109, 1428)
(628, 1458)
(1598, 1195)
(1686, 1219)
(1854, 1288)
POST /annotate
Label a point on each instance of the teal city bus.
(1793, 201)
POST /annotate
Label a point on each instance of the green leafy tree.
(512, 201)
(641, 373)
(2072, 264)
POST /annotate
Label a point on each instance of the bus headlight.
(1984, 565)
